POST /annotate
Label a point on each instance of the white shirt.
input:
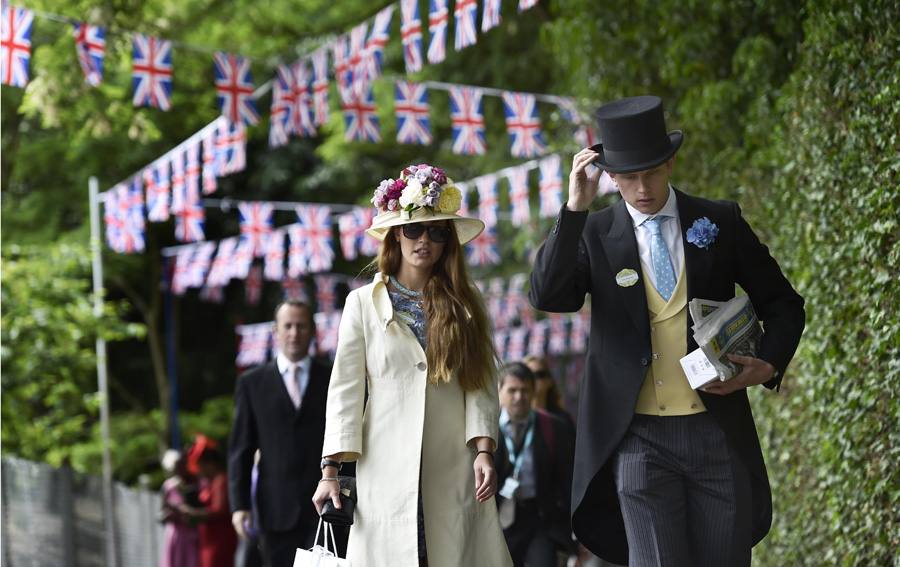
(284, 368)
(670, 230)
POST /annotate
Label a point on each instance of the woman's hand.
(327, 489)
(485, 477)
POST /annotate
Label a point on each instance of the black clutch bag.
(344, 516)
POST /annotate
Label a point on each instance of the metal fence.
(54, 517)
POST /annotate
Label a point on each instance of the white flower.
(411, 194)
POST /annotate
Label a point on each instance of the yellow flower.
(450, 201)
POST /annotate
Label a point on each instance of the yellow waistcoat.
(666, 390)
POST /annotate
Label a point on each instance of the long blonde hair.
(458, 334)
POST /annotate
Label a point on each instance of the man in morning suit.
(664, 475)
(279, 408)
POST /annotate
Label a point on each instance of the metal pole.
(97, 262)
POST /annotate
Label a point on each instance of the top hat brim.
(467, 229)
(676, 137)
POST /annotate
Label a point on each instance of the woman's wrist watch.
(330, 463)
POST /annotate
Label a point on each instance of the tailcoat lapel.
(697, 261)
(620, 245)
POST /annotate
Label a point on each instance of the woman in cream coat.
(424, 438)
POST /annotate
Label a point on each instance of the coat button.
(644, 362)
(421, 366)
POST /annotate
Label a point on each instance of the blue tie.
(659, 257)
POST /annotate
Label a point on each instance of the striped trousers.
(685, 497)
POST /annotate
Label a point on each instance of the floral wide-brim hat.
(422, 194)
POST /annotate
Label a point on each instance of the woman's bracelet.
(329, 478)
(485, 452)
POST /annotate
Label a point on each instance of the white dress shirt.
(285, 368)
(671, 233)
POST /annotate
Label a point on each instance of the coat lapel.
(697, 261)
(620, 245)
(278, 388)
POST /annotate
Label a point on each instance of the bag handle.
(329, 530)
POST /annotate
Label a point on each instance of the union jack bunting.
(220, 272)
(189, 222)
(298, 264)
(327, 325)
(523, 125)
(90, 43)
(467, 121)
(253, 285)
(500, 337)
(253, 344)
(527, 4)
(465, 11)
(464, 204)
(516, 304)
(483, 250)
(558, 343)
(129, 202)
(212, 294)
(358, 79)
(373, 56)
(151, 72)
(343, 73)
(411, 35)
(192, 171)
(580, 330)
(15, 44)
(518, 337)
(179, 194)
(315, 229)
(349, 233)
(234, 85)
(368, 245)
(273, 255)
(487, 199)
(495, 302)
(490, 18)
(551, 186)
(360, 118)
(437, 25)
(294, 289)
(209, 161)
(326, 292)
(112, 220)
(242, 259)
(200, 263)
(320, 86)
(537, 340)
(281, 119)
(181, 271)
(585, 135)
(411, 107)
(255, 222)
(518, 195)
(156, 184)
(302, 117)
(231, 147)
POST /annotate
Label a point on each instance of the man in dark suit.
(534, 470)
(279, 408)
(664, 474)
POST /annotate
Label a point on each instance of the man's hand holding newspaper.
(755, 371)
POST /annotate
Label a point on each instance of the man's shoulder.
(256, 373)
(718, 207)
(603, 218)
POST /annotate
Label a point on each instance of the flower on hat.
(702, 233)
(419, 186)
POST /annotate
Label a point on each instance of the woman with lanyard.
(417, 341)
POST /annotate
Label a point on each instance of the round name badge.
(627, 277)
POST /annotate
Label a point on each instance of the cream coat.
(408, 422)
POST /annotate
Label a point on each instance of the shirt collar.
(670, 209)
(284, 364)
(505, 419)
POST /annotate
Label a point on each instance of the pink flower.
(393, 205)
(439, 176)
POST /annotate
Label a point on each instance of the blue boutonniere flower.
(702, 233)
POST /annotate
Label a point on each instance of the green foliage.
(49, 362)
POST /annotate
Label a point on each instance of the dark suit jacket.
(289, 440)
(553, 470)
(582, 255)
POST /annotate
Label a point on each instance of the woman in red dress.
(217, 538)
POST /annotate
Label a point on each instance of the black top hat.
(633, 131)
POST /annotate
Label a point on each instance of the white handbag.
(320, 556)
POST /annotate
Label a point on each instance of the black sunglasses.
(436, 233)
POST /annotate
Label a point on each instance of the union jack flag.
(200, 263)
(273, 255)
(15, 44)
(181, 273)
(527, 4)
(179, 194)
(326, 293)
(361, 118)
(209, 161)
(298, 265)
(320, 86)
(90, 42)
(465, 12)
(495, 302)
(523, 125)
(518, 195)
(411, 35)
(192, 171)
(254, 285)
(315, 230)
(294, 289)
(551, 186)
(373, 55)
(516, 305)
(437, 25)
(253, 344)
(358, 82)
(189, 222)
(468, 121)
(487, 199)
(585, 135)
(411, 107)
(327, 325)
(151, 72)
(349, 231)
(368, 245)
(490, 18)
(464, 193)
(156, 183)
(580, 331)
(234, 85)
(231, 147)
(500, 337)
(517, 339)
(112, 220)
(281, 119)
(343, 73)
(558, 337)
(483, 250)
(256, 222)
(212, 294)
(241, 260)
(302, 118)
(220, 272)
(538, 340)
(127, 210)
